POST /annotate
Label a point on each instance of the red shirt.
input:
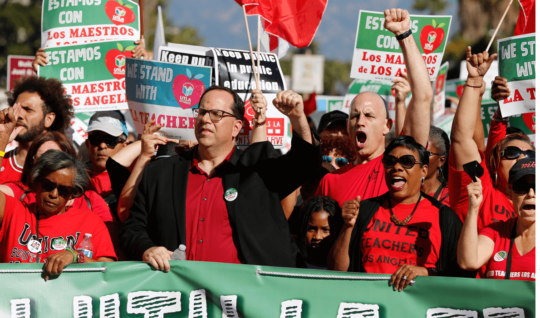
(209, 235)
(523, 266)
(19, 224)
(10, 171)
(99, 206)
(495, 205)
(387, 246)
(365, 180)
(101, 183)
(497, 132)
(445, 193)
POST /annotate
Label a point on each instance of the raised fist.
(349, 211)
(397, 21)
(289, 104)
(474, 190)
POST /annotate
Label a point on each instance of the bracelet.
(472, 86)
(404, 35)
(2, 154)
(81, 257)
(72, 253)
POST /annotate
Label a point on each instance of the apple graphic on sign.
(431, 37)
(530, 120)
(459, 90)
(188, 89)
(119, 13)
(440, 83)
(115, 60)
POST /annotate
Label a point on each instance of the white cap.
(87, 235)
(182, 247)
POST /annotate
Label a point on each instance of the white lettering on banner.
(20, 308)
(70, 17)
(82, 307)
(55, 4)
(247, 85)
(291, 309)
(153, 304)
(197, 304)
(228, 306)
(498, 312)
(73, 56)
(355, 310)
(72, 73)
(527, 69)
(109, 306)
(374, 23)
(155, 73)
(449, 312)
(147, 92)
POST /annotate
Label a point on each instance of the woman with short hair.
(48, 231)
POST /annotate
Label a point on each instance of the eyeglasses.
(340, 161)
(406, 161)
(434, 154)
(215, 114)
(523, 187)
(63, 190)
(513, 152)
(110, 141)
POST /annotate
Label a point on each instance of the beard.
(32, 132)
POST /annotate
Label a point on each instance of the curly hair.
(340, 144)
(494, 157)
(52, 93)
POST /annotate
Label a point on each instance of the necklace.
(398, 221)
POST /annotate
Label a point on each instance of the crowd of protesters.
(341, 199)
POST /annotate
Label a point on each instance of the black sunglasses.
(63, 190)
(434, 154)
(523, 187)
(215, 114)
(110, 141)
(406, 161)
(513, 152)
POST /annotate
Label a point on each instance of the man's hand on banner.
(350, 211)
(397, 21)
(405, 274)
(158, 257)
(40, 59)
(54, 264)
(258, 104)
(140, 50)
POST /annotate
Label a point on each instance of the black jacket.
(449, 223)
(260, 229)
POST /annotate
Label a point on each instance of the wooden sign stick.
(250, 48)
(500, 22)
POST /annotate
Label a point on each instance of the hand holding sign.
(499, 89)
(397, 21)
(289, 104)
(258, 104)
(41, 59)
(140, 50)
(475, 195)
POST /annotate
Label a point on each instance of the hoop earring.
(422, 180)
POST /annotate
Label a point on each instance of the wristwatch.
(81, 257)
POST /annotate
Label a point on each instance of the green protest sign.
(517, 63)
(440, 98)
(377, 54)
(454, 88)
(525, 122)
(66, 22)
(215, 290)
(93, 74)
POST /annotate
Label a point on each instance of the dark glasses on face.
(434, 154)
(110, 141)
(513, 152)
(341, 162)
(63, 191)
(406, 161)
(523, 187)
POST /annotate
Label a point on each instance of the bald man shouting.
(369, 123)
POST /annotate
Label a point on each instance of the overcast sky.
(221, 22)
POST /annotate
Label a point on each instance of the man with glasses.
(221, 202)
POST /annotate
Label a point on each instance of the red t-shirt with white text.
(387, 246)
(523, 266)
(365, 180)
(495, 205)
(19, 226)
(10, 171)
(99, 206)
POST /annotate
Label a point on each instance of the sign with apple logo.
(188, 89)
(431, 37)
(115, 60)
(119, 13)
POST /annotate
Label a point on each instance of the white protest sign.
(308, 73)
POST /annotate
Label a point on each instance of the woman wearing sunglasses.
(508, 248)
(337, 150)
(48, 231)
(404, 232)
(496, 204)
(437, 174)
(90, 200)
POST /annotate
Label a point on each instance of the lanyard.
(509, 258)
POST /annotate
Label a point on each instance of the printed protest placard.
(93, 74)
(166, 93)
(517, 63)
(65, 22)
(377, 54)
(454, 88)
(189, 55)
(526, 122)
(308, 73)
(235, 71)
(440, 98)
(17, 67)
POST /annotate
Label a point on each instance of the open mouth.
(529, 207)
(398, 183)
(361, 138)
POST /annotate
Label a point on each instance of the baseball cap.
(331, 117)
(522, 168)
(110, 122)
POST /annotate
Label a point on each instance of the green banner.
(215, 290)
(525, 122)
(65, 22)
(454, 88)
(439, 92)
(517, 63)
(93, 74)
(377, 54)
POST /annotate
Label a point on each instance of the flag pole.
(250, 48)
(259, 49)
(141, 17)
(500, 22)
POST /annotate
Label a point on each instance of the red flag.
(295, 21)
(310, 105)
(527, 17)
